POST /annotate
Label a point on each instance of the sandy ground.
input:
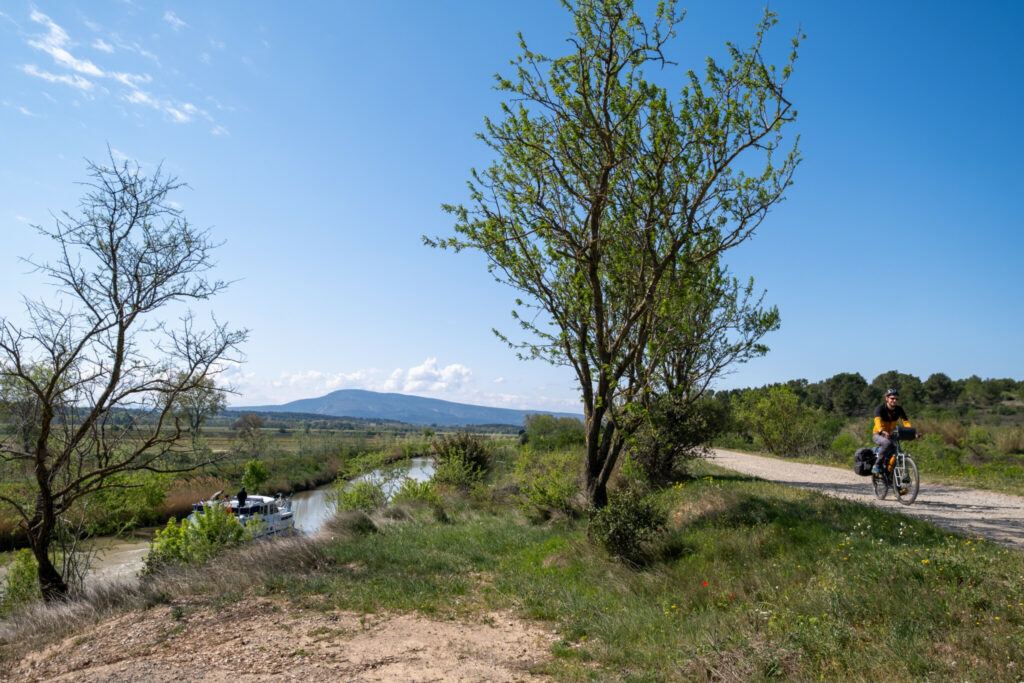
(993, 516)
(263, 640)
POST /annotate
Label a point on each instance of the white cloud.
(429, 377)
(141, 97)
(54, 42)
(174, 21)
(177, 115)
(21, 219)
(133, 81)
(26, 112)
(74, 80)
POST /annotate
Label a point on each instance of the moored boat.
(274, 513)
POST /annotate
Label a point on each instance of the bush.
(412, 491)
(366, 495)
(626, 526)
(195, 540)
(461, 459)
(777, 421)
(548, 482)
(21, 583)
(674, 432)
(546, 432)
(256, 475)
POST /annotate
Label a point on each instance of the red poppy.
(705, 583)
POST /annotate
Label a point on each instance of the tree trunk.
(51, 583)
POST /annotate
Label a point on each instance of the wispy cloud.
(74, 80)
(172, 19)
(56, 42)
(53, 43)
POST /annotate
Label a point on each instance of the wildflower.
(705, 583)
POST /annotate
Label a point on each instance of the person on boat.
(242, 495)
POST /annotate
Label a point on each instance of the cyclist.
(886, 417)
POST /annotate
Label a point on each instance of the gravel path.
(993, 516)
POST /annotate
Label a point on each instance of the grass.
(755, 581)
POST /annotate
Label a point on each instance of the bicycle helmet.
(892, 392)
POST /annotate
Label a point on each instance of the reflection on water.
(313, 508)
(117, 557)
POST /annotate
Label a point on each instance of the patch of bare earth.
(261, 639)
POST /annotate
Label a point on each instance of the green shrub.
(195, 540)
(777, 420)
(461, 459)
(412, 491)
(256, 474)
(463, 446)
(627, 525)
(844, 445)
(548, 482)
(546, 432)
(675, 430)
(366, 495)
(21, 583)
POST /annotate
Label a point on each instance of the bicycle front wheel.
(905, 481)
(881, 485)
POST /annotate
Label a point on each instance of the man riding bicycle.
(886, 417)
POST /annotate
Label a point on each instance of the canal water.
(116, 556)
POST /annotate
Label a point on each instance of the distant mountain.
(410, 409)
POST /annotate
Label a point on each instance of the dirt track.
(993, 516)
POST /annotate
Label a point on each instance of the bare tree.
(97, 368)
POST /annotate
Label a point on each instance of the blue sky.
(320, 139)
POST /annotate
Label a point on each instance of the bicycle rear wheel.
(905, 481)
(881, 484)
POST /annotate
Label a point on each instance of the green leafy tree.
(608, 200)
(250, 435)
(846, 394)
(99, 362)
(776, 419)
(255, 476)
(198, 404)
(909, 386)
(939, 390)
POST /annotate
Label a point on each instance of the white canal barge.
(275, 514)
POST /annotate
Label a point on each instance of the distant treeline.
(849, 394)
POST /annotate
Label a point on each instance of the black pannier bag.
(863, 461)
(904, 433)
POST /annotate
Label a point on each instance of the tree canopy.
(610, 205)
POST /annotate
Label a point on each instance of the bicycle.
(900, 473)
